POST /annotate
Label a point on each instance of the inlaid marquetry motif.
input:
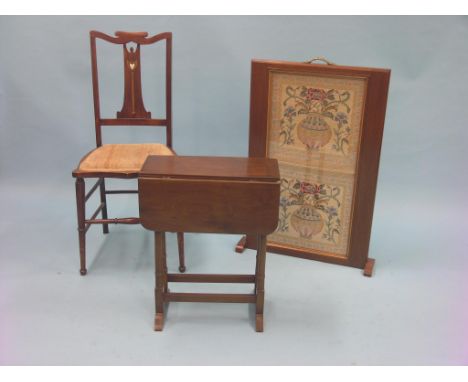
(133, 106)
(314, 131)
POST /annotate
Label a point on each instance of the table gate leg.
(160, 280)
(166, 288)
(181, 248)
(260, 282)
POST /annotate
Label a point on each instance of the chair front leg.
(80, 209)
(105, 227)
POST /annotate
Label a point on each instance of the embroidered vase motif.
(314, 132)
(307, 221)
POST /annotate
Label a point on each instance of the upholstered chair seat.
(122, 158)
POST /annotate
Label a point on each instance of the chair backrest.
(133, 111)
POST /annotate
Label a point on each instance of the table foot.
(259, 322)
(369, 267)
(158, 322)
(182, 269)
(240, 246)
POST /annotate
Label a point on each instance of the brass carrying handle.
(319, 58)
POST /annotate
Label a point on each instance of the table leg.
(160, 279)
(260, 282)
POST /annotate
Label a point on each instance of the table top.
(209, 194)
(208, 167)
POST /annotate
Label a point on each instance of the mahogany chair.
(122, 161)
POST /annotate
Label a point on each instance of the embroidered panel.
(314, 130)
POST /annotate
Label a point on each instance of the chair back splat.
(133, 112)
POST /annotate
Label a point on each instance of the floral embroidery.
(289, 112)
(314, 189)
(317, 212)
(316, 115)
(315, 94)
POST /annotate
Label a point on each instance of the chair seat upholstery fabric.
(123, 158)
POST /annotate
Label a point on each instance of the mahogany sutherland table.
(209, 195)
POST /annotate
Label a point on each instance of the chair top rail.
(127, 37)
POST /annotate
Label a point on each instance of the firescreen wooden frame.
(368, 152)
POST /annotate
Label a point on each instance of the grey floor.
(411, 312)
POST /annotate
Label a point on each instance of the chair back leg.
(105, 227)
